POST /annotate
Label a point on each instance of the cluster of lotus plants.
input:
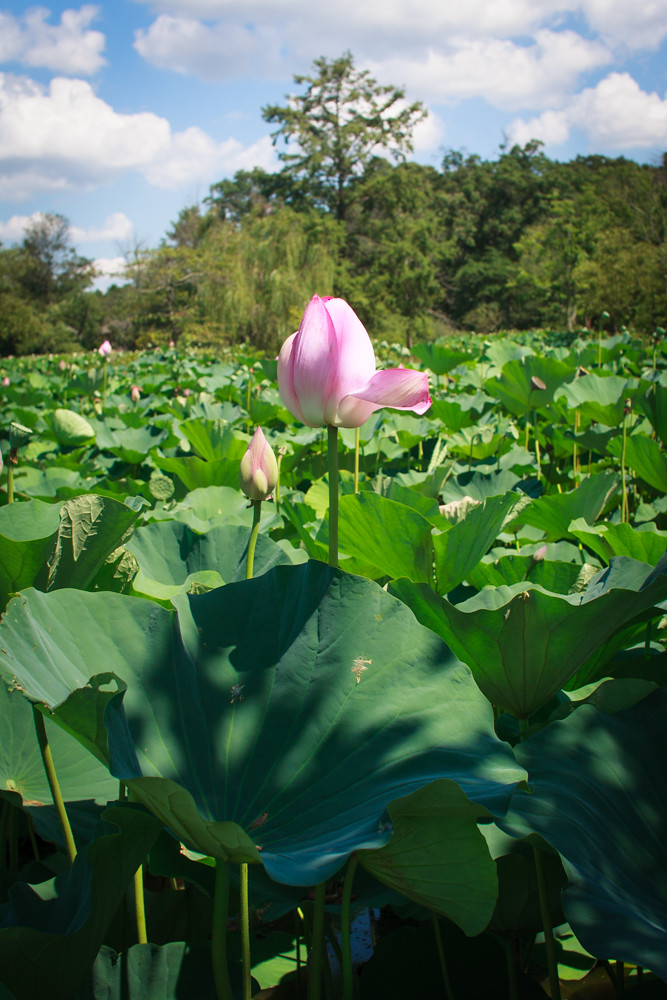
(295, 646)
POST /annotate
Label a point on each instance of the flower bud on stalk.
(258, 473)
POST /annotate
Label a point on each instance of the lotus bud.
(104, 350)
(258, 473)
(5, 381)
(135, 393)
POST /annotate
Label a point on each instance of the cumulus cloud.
(615, 114)
(116, 227)
(63, 136)
(68, 47)
(211, 52)
(504, 73)
(377, 28)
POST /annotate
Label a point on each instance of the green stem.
(549, 944)
(356, 459)
(10, 482)
(317, 948)
(332, 447)
(250, 561)
(52, 779)
(625, 510)
(140, 906)
(441, 955)
(219, 931)
(345, 928)
(245, 933)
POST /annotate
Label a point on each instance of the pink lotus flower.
(5, 380)
(104, 350)
(135, 393)
(327, 373)
(258, 473)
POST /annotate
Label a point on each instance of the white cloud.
(65, 137)
(505, 74)
(116, 227)
(210, 52)
(68, 47)
(109, 271)
(616, 114)
(380, 28)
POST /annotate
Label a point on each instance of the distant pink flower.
(135, 393)
(62, 364)
(5, 380)
(186, 392)
(327, 373)
(104, 350)
(172, 343)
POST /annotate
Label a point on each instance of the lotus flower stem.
(317, 949)
(10, 482)
(52, 779)
(219, 930)
(345, 923)
(332, 445)
(549, 944)
(250, 560)
(245, 933)
(140, 906)
(441, 955)
(356, 459)
(512, 981)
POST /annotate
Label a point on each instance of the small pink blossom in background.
(5, 380)
(172, 344)
(186, 392)
(104, 350)
(135, 393)
(62, 364)
(327, 373)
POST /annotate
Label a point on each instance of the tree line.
(515, 242)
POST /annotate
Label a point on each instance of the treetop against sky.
(119, 114)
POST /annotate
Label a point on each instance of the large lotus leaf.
(522, 643)
(645, 457)
(516, 389)
(212, 439)
(460, 411)
(203, 508)
(398, 540)
(132, 444)
(85, 784)
(196, 473)
(654, 405)
(437, 856)
(598, 796)
(554, 513)
(55, 481)
(171, 971)
(50, 933)
(461, 547)
(479, 442)
(295, 706)
(646, 544)
(172, 557)
(393, 538)
(70, 428)
(599, 398)
(555, 575)
(480, 485)
(27, 531)
(91, 527)
(440, 358)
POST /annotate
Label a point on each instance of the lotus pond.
(211, 766)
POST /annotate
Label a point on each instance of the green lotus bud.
(18, 435)
(258, 473)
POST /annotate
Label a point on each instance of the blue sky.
(119, 114)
